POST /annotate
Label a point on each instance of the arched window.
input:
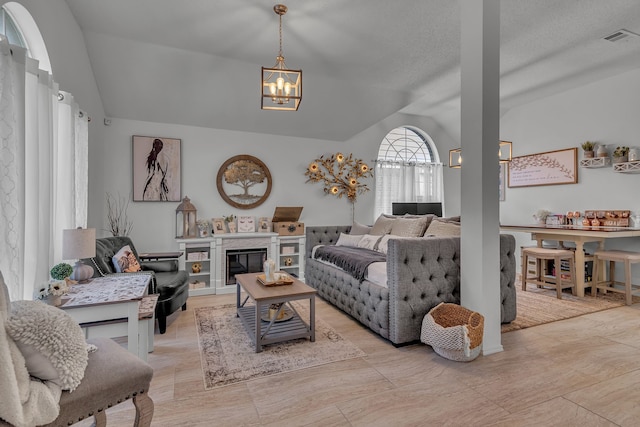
(44, 157)
(20, 29)
(408, 169)
(10, 30)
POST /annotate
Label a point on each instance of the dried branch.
(119, 223)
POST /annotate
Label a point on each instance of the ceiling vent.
(621, 35)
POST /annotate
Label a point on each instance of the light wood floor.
(578, 372)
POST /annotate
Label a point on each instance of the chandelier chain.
(280, 35)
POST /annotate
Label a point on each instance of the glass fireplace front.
(244, 261)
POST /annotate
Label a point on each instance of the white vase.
(602, 151)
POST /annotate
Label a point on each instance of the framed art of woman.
(156, 169)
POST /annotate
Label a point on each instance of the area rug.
(537, 306)
(228, 355)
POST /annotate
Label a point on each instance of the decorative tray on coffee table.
(279, 279)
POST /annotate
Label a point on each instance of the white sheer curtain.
(406, 182)
(44, 174)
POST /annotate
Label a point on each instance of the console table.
(577, 234)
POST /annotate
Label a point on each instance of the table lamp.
(79, 243)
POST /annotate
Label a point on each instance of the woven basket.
(453, 331)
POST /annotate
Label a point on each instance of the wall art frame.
(250, 175)
(156, 169)
(502, 181)
(548, 168)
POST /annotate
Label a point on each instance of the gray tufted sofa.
(421, 273)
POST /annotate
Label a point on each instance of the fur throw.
(52, 333)
(23, 402)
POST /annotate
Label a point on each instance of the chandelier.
(281, 87)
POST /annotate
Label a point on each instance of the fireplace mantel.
(215, 247)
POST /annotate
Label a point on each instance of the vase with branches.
(117, 218)
(341, 176)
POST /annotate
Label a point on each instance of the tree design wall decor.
(244, 182)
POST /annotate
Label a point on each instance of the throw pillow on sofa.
(369, 241)
(382, 225)
(383, 243)
(348, 240)
(358, 229)
(439, 228)
(410, 227)
(124, 261)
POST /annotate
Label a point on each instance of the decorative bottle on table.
(269, 267)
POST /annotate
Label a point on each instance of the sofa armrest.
(421, 273)
(323, 235)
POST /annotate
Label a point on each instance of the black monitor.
(401, 208)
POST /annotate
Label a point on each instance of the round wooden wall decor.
(244, 182)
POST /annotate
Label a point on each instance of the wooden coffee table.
(268, 332)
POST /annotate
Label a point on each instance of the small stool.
(609, 285)
(546, 254)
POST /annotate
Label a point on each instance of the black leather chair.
(167, 280)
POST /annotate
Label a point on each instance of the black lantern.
(186, 216)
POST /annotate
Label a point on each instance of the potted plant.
(588, 147)
(53, 291)
(541, 216)
(620, 154)
(61, 271)
(230, 220)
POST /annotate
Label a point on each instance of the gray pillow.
(369, 241)
(439, 228)
(348, 240)
(410, 227)
(359, 229)
(382, 225)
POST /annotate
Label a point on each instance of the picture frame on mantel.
(246, 224)
(548, 168)
(156, 168)
(218, 226)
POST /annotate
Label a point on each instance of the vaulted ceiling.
(197, 62)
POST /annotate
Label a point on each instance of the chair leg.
(556, 266)
(144, 410)
(162, 323)
(100, 419)
(524, 271)
(594, 277)
(572, 272)
(627, 281)
(184, 307)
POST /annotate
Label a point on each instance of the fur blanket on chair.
(23, 401)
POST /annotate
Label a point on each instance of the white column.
(480, 121)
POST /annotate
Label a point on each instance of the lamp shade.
(78, 243)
